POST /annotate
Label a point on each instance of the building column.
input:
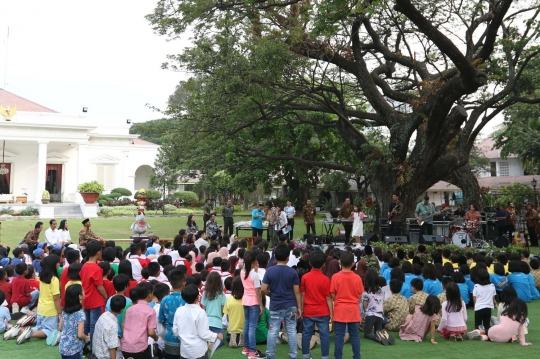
(41, 168)
(82, 168)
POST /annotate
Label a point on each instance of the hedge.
(187, 196)
(107, 211)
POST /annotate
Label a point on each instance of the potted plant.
(45, 197)
(90, 191)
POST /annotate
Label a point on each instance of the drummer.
(472, 218)
(459, 212)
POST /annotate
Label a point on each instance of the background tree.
(165, 177)
(436, 70)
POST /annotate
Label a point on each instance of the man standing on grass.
(227, 212)
(207, 212)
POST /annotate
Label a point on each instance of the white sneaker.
(14, 308)
(475, 334)
(25, 310)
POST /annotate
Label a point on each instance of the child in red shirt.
(72, 257)
(346, 289)
(107, 284)
(5, 286)
(22, 293)
(92, 282)
(317, 304)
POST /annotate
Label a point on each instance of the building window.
(493, 171)
(504, 169)
(188, 187)
(105, 176)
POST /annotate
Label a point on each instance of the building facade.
(47, 150)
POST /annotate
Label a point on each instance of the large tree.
(429, 74)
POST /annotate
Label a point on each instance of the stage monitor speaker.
(313, 239)
(370, 237)
(414, 237)
(395, 239)
(430, 239)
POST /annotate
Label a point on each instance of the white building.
(45, 149)
(500, 167)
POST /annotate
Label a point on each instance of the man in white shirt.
(52, 236)
(201, 241)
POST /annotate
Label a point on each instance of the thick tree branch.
(472, 78)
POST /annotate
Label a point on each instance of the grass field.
(113, 228)
(36, 348)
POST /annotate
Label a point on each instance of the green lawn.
(110, 228)
(408, 350)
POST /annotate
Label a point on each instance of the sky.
(102, 55)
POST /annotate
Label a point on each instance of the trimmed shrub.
(187, 196)
(150, 194)
(114, 195)
(123, 191)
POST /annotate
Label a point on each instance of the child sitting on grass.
(419, 296)
(454, 314)
(423, 320)
(395, 307)
(513, 320)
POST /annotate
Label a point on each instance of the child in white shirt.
(193, 338)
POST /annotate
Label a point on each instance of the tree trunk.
(465, 179)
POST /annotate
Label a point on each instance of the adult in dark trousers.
(227, 212)
(532, 220)
(345, 213)
(290, 211)
(309, 211)
(394, 216)
(207, 212)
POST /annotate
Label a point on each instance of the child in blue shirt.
(498, 278)
(458, 278)
(432, 285)
(168, 308)
(519, 281)
(120, 283)
(527, 271)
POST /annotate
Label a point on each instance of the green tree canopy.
(437, 70)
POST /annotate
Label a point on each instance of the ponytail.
(249, 258)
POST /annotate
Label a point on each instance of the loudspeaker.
(395, 239)
(313, 239)
(414, 237)
(370, 237)
(430, 239)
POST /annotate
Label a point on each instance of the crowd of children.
(179, 300)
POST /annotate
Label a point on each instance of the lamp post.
(533, 183)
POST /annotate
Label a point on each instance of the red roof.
(138, 141)
(10, 99)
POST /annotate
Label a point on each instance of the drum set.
(466, 233)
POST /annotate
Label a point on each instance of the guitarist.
(424, 212)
